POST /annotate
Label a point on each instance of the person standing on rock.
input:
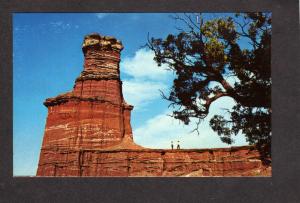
(178, 146)
(172, 146)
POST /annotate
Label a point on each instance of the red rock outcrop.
(88, 131)
(238, 161)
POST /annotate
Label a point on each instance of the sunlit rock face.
(88, 131)
(229, 162)
(94, 115)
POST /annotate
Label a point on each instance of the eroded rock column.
(94, 114)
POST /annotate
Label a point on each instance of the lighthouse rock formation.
(88, 131)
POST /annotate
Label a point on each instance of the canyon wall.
(238, 161)
(88, 131)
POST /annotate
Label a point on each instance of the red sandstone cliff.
(88, 131)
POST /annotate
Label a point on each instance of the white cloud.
(59, 26)
(232, 80)
(57, 23)
(140, 94)
(143, 66)
(146, 79)
(158, 132)
(21, 28)
(101, 15)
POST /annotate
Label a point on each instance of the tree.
(206, 56)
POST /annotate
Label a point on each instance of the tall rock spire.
(94, 115)
(101, 58)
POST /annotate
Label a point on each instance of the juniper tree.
(205, 56)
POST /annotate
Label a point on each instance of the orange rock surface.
(88, 131)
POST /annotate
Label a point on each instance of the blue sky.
(47, 58)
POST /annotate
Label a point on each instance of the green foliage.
(212, 51)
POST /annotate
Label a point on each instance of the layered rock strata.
(88, 131)
(94, 115)
(234, 162)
